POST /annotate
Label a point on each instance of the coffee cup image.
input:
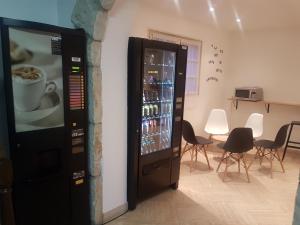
(29, 86)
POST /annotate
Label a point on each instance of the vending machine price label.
(76, 59)
(56, 45)
(76, 91)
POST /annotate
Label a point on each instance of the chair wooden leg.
(225, 171)
(271, 162)
(255, 157)
(246, 168)
(196, 156)
(280, 160)
(193, 153)
(262, 156)
(192, 157)
(184, 151)
(239, 164)
(205, 154)
(221, 161)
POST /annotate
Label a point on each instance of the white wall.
(114, 95)
(269, 59)
(130, 18)
(64, 11)
(211, 93)
(55, 12)
(44, 11)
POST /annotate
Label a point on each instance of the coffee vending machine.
(43, 129)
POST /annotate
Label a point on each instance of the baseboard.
(114, 213)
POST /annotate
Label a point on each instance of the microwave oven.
(249, 93)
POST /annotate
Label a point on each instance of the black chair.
(295, 144)
(194, 143)
(268, 147)
(240, 140)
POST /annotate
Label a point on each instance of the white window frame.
(171, 38)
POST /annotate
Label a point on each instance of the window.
(193, 58)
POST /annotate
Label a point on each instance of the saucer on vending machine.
(49, 104)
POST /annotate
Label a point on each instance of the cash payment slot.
(45, 103)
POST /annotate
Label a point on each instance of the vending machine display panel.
(37, 79)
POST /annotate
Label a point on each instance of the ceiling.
(254, 14)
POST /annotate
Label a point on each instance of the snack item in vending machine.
(146, 110)
(155, 110)
(151, 110)
(143, 111)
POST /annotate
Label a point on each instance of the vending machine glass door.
(158, 96)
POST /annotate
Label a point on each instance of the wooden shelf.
(267, 104)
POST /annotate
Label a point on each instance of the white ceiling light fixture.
(238, 20)
(212, 9)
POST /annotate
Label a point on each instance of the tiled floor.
(204, 199)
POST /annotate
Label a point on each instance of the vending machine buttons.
(77, 133)
(78, 174)
(77, 150)
(179, 99)
(76, 59)
(178, 106)
(77, 141)
(80, 181)
(78, 177)
(178, 119)
(176, 149)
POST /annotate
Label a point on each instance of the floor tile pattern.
(204, 199)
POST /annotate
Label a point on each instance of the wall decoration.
(219, 70)
(212, 79)
(214, 46)
(215, 63)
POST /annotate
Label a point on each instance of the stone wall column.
(91, 15)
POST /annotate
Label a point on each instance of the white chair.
(255, 122)
(217, 124)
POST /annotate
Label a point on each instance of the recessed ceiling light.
(238, 20)
(211, 9)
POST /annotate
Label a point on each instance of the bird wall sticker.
(215, 63)
(219, 70)
(212, 79)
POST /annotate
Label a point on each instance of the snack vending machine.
(156, 87)
(43, 111)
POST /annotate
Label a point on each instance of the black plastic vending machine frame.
(151, 173)
(67, 188)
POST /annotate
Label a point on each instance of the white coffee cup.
(29, 92)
